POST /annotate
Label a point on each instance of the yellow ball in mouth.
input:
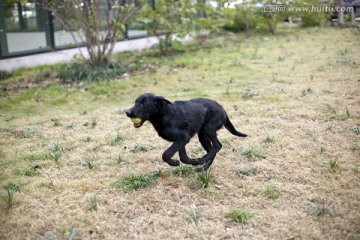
(136, 120)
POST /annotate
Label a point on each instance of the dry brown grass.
(310, 128)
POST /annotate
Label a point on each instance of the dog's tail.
(230, 127)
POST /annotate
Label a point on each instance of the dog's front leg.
(170, 152)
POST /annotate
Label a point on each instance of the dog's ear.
(161, 101)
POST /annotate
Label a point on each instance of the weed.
(348, 114)
(83, 112)
(270, 138)
(120, 159)
(255, 53)
(28, 172)
(9, 198)
(268, 176)
(36, 156)
(94, 122)
(85, 139)
(56, 152)
(249, 170)
(322, 149)
(332, 111)
(135, 182)
(278, 79)
(205, 178)
(139, 148)
(228, 86)
(89, 162)
(306, 91)
(70, 126)
(334, 163)
(320, 209)
(93, 206)
(242, 216)
(314, 136)
(55, 155)
(332, 116)
(253, 153)
(249, 94)
(13, 186)
(51, 236)
(272, 192)
(356, 130)
(116, 138)
(275, 76)
(183, 170)
(57, 122)
(281, 58)
(50, 183)
(193, 213)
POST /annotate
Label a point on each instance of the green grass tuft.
(334, 164)
(13, 186)
(8, 199)
(93, 206)
(56, 152)
(116, 138)
(139, 148)
(205, 178)
(28, 172)
(320, 209)
(136, 181)
(253, 153)
(242, 216)
(272, 192)
(183, 170)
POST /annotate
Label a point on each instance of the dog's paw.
(173, 163)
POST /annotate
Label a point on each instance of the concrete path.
(12, 64)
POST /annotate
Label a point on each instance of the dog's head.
(146, 106)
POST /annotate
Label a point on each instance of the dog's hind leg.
(204, 142)
(185, 159)
(209, 157)
(206, 145)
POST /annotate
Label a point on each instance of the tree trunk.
(341, 20)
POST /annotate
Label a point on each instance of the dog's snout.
(128, 112)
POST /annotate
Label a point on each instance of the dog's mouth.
(137, 125)
(138, 122)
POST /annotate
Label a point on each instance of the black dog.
(179, 121)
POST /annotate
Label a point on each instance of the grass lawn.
(72, 166)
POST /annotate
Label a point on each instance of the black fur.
(179, 121)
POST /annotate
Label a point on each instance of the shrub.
(312, 18)
(4, 75)
(245, 19)
(168, 18)
(78, 70)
